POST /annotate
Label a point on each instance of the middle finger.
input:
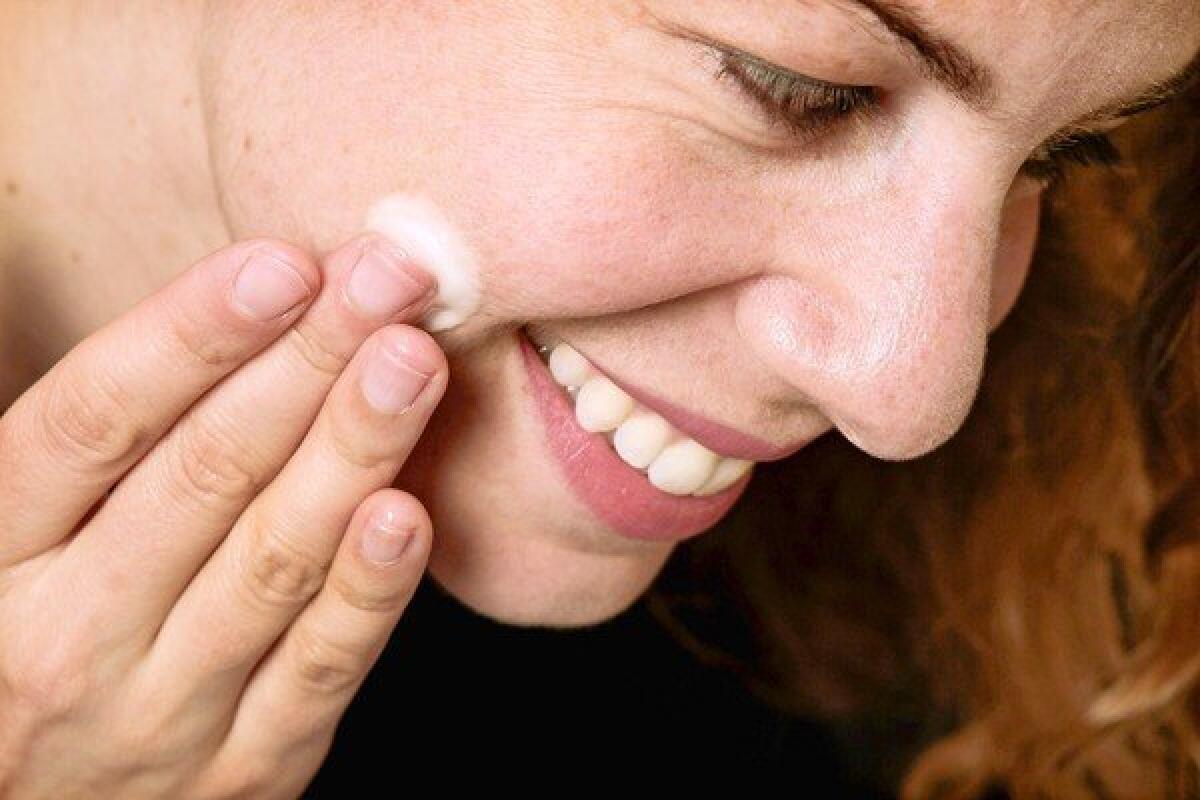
(276, 557)
(166, 517)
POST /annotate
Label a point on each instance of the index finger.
(76, 431)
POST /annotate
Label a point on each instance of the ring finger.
(298, 692)
(277, 556)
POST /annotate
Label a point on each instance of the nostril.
(915, 415)
(899, 442)
(895, 373)
(1014, 255)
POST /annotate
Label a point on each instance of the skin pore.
(615, 189)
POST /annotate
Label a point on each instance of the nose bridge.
(885, 329)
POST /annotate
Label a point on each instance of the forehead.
(1060, 54)
(1150, 32)
(1162, 16)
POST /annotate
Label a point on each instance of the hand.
(198, 631)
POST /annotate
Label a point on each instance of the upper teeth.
(673, 462)
(601, 406)
(641, 437)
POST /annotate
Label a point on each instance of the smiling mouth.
(669, 459)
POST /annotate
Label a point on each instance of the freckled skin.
(613, 190)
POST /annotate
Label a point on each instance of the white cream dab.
(423, 232)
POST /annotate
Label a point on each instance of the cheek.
(574, 209)
(301, 116)
(607, 221)
(1018, 237)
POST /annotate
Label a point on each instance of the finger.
(301, 688)
(277, 554)
(205, 472)
(102, 406)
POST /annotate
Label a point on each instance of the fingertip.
(292, 255)
(415, 348)
(395, 528)
(261, 280)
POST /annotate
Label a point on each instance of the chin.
(515, 539)
(535, 584)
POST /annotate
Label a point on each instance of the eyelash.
(807, 107)
(804, 106)
(1083, 149)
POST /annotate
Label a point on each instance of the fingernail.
(268, 287)
(390, 382)
(384, 282)
(385, 540)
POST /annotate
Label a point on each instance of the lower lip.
(616, 493)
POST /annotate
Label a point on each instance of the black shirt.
(455, 689)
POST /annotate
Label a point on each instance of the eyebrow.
(946, 62)
(973, 83)
(1156, 95)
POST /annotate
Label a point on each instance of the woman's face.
(622, 189)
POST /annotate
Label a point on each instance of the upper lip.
(716, 436)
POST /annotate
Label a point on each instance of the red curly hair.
(1021, 607)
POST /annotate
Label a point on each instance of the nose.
(879, 311)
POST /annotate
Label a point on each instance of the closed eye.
(807, 108)
(1051, 160)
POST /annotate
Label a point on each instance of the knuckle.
(204, 345)
(322, 666)
(255, 784)
(247, 778)
(92, 427)
(50, 685)
(210, 464)
(275, 573)
(379, 601)
(352, 446)
(310, 345)
(141, 745)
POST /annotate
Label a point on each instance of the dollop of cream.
(419, 229)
